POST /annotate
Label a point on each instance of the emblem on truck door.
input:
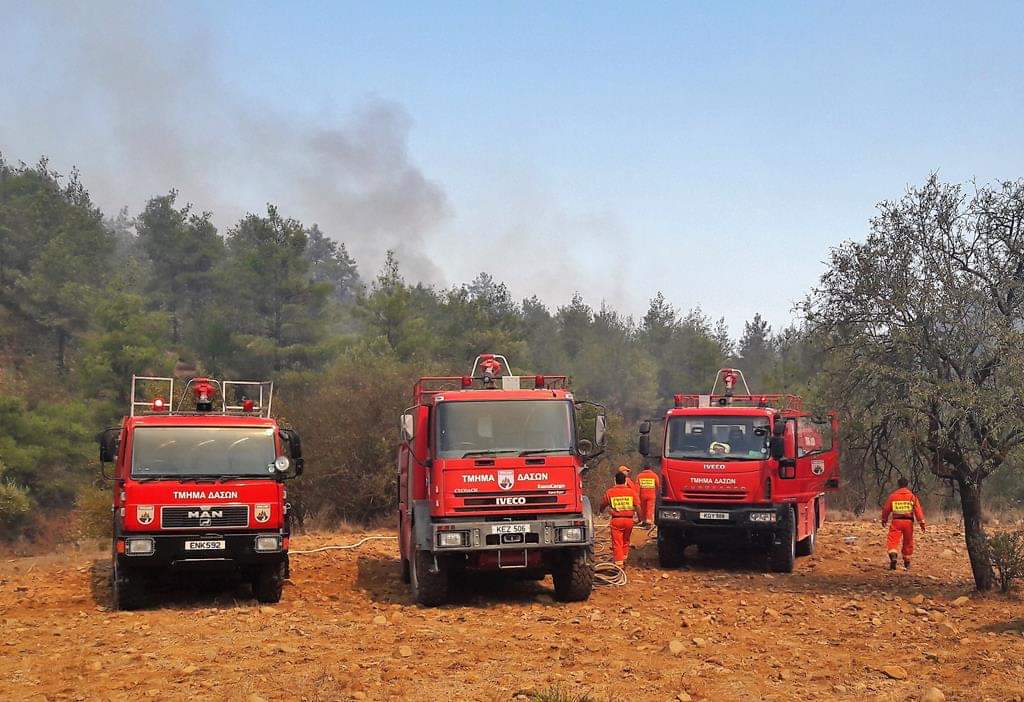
(262, 513)
(506, 479)
(144, 514)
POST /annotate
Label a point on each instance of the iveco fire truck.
(199, 484)
(742, 469)
(490, 479)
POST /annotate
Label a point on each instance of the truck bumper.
(703, 523)
(465, 536)
(221, 551)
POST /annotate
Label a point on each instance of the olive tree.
(927, 317)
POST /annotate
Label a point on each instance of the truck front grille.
(223, 516)
(510, 503)
(716, 495)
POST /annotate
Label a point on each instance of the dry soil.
(840, 627)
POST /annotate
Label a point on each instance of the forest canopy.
(88, 298)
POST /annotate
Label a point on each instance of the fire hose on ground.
(606, 572)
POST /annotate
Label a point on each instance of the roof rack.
(486, 374)
(729, 377)
(769, 400)
(155, 395)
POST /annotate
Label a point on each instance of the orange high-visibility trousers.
(647, 507)
(901, 529)
(622, 529)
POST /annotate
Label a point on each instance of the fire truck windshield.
(720, 438)
(503, 426)
(172, 452)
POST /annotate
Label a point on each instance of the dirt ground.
(719, 629)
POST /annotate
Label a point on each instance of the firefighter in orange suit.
(649, 483)
(626, 470)
(624, 505)
(904, 507)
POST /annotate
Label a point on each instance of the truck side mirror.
(408, 427)
(645, 426)
(109, 441)
(777, 447)
(584, 448)
(787, 468)
(644, 445)
(601, 430)
(291, 437)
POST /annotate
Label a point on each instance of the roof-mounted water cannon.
(203, 391)
(488, 368)
(729, 378)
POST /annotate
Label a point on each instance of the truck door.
(817, 454)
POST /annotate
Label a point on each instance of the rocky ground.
(840, 627)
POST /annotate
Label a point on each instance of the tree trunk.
(974, 534)
(62, 345)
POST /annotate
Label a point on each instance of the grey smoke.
(141, 108)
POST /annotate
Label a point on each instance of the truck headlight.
(268, 544)
(139, 547)
(763, 517)
(569, 534)
(449, 539)
(671, 514)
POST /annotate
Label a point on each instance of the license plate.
(715, 515)
(510, 529)
(205, 545)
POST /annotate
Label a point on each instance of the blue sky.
(714, 152)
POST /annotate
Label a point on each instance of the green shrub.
(556, 693)
(1006, 552)
(92, 516)
(15, 509)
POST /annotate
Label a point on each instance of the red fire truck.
(199, 484)
(742, 469)
(490, 479)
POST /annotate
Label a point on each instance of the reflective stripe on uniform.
(622, 503)
(649, 483)
(902, 506)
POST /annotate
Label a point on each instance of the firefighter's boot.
(892, 561)
(906, 564)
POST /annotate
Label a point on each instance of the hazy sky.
(714, 152)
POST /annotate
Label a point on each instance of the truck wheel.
(127, 591)
(268, 583)
(782, 552)
(805, 546)
(574, 576)
(671, 549)
(429, 587)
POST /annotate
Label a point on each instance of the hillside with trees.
(913, 334)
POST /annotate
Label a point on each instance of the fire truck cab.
(742, 469)
(490, 479)
(198, 484)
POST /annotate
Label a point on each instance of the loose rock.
(895, 672)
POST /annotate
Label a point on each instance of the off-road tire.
(805, 546)
(429, 588)
(574, 576)
(127, 591)
(268, 583)
(671, 548)
(782, 552)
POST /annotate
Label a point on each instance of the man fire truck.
(199, 485)
(743, 470)
(490, 479)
